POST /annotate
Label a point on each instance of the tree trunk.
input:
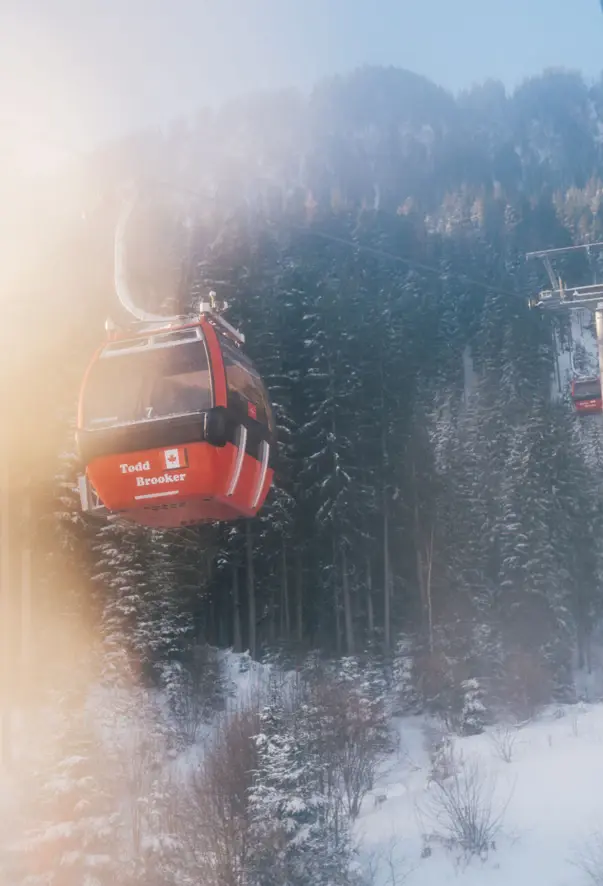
(250, 588)
(272, 616)
(299, 596)
(580, 642)
(370, 613)
(347, 603)
(386, 583)
(428, 589)
(424, 569)
(424, 561)
(285, 613)
(236, 604)
(588, 651)
(336, 603)
(212, 620)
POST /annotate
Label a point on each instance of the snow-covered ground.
(549, 794)
(545, 779)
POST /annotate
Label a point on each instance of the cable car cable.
(371, 250)
(383, 253)
(380, 253)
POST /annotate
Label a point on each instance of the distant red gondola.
(175, 426)
(586, 395)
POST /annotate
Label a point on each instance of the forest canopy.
(371, 240)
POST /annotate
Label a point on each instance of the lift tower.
(560, 298)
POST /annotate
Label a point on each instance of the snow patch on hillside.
(547, 788)
(549, 794)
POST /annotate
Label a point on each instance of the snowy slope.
(551, 789)
(549, 792)
(548, 789)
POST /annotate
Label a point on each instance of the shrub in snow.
(589, 859)
(360, 730)
(503, 738)
(245, 662)
(196, 689)
(439, 746)
(463, 810)
(387, 865)
(443, 762)
(473, 714)
(215, 811)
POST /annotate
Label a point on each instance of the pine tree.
(406, 697)
(145, 620)
(294, 832)
(74, 836)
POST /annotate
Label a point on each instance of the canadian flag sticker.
(175, 458)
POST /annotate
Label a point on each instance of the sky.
(76, 72)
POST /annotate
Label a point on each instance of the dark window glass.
(245, 385)
(585, 390)
(151, 384)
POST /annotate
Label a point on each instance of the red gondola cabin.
(586, 395)
(175, 427)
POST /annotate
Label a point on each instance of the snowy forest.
(433, 541)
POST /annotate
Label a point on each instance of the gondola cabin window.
(127, 385)
(585, 389)
(247, 396)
